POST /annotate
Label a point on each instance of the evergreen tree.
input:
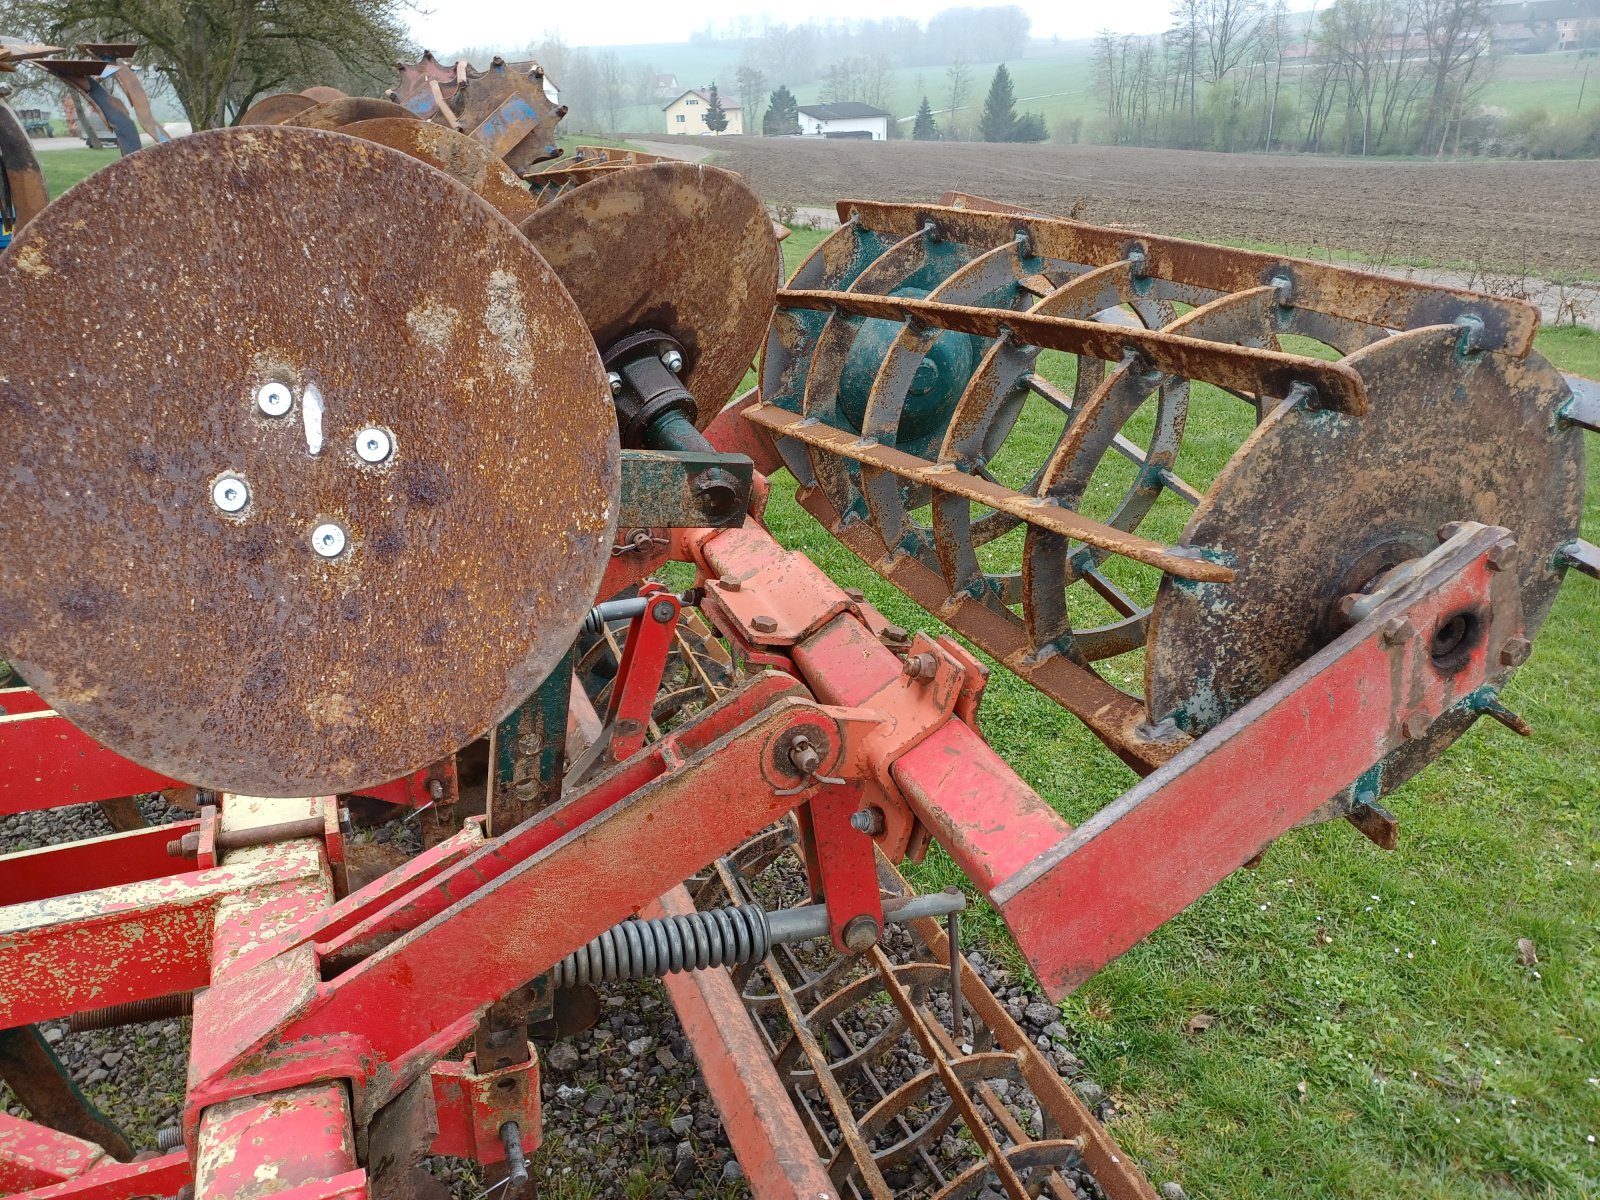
(1000, 108)
(716, 120)
(1030, 127)
(924, 130)
(783, 114)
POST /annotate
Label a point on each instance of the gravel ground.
(626, 1112)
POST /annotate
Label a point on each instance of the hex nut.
(1515, 652)
(762, 623)
(1397, 630)
(921, 666)
(728, 583)
(1501, 555)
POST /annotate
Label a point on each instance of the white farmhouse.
(847, 119)
(687, 114)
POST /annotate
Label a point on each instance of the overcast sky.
(446, 25)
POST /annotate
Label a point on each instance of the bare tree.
(611, 79)
(958, 78)
(749, 80)
(1457, 36)
(1227, 27)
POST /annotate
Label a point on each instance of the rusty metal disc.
(457, 155)
(276, 109)
(1318, 504)
(460, 446)
(681, 248)
(322, 94)
(347, 111)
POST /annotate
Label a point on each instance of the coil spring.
(648, 949)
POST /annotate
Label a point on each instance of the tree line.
(1357, 77)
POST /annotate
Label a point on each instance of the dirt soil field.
(1539, 218)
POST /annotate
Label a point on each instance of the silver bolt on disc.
(373, 445)
(328, 540)
(230, 493)
(274, 399)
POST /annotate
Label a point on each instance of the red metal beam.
(48, 762)
(120, 1181)
(1144, 858)
(32, 1156)
(95, 949)
(87, 866)
(384, 1020)
(762, 1124)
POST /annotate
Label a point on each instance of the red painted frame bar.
(33, 1156)
(19, 700)
(99, 948)
(379, 1026)
(48, 762)
(87, 866)
(763, 1126)
(1140, 861)
(121, 1181)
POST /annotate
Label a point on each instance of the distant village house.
(687, 114)
(665, 87)
(844, 120)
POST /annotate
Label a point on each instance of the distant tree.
(219, 57)
(924, 129)
(999, 120)
(783, 114)
(612, 79)
(749, 80)
(1030, 127)
(959, 77)
(716, 120)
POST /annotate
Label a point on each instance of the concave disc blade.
(1317, 504)
(276, 109)
(145, 311)
(347, 110)
(683, 249)
(457, 155)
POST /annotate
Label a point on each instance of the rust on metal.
(1317, 505)
(276, 109)
(347, 110)
(684, 249)
(273, 667)
(457, 155)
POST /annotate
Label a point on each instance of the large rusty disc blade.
(276, 109)
(457, 155)
(223, 647)
(321, 93)
(1318, 504)
(347, 111)
(684, 249)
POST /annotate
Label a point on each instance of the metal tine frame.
(1005, 262)
(810, 1004)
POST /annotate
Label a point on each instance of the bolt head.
(855, 594)
(1416, 725)
(230, 493)
(894, 633)
(1501, 555)
(1448, 530)
(615, 381)
(921, 666)
(728, 583)
(672, 361)
(860, 934)
(1397, 630)
(274, 399)
(762, 623)
(1515, 652)
(374, 445)
(328, 540)
(663, 611)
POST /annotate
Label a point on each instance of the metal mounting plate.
(684, 249)
(221, 648)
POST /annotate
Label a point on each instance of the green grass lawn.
(1373, 1032)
